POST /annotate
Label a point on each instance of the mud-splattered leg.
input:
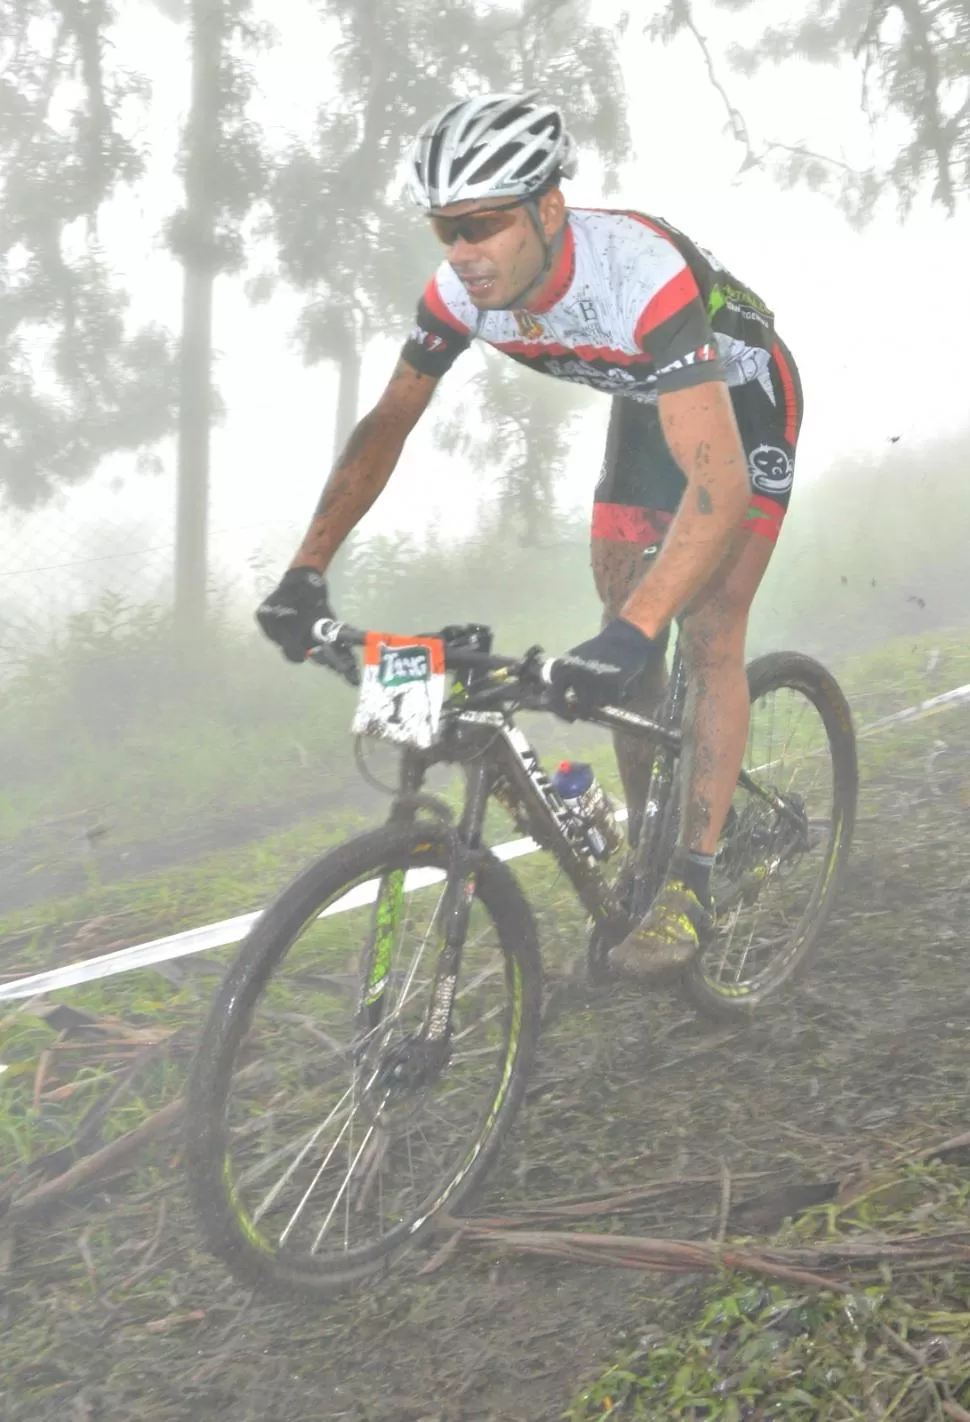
(715, 732)
(617, 568)
(717, 709)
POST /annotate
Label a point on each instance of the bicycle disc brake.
(413, 1063)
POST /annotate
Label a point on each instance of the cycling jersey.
(633, 308)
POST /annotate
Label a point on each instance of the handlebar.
(524, 679)
(530, 668)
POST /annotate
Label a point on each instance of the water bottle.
(589, 802)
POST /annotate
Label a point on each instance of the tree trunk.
(348, 397)
(197, 249)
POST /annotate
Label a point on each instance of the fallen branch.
(820, 1268)
(93, 1167)
(100, 1162)
(947, 1147)
(568, 1207)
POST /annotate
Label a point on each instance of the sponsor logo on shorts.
(739, 302)
(772, 470)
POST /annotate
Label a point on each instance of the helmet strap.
(551, 247)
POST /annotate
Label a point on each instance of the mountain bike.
(369, 1047)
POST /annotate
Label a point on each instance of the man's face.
(496, 251)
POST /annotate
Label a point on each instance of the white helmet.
(501, 145)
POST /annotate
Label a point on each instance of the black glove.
(288, 615)
(599, 672)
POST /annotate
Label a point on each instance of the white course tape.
(213, 935)
(935, 703)
(231, 930)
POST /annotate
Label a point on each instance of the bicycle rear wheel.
(322, 1142)
(786, 841)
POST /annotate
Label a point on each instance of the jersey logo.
(529, 328)
(612, 380)
(708, 351)
(582, 310)
(428, 339)
(737, 300)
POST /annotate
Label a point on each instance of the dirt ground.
(110, 1312)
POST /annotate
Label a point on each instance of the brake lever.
(337, 659)
(531, 666)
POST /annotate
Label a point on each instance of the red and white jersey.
(633, 308)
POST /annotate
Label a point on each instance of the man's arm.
(702, 435)
(366, 464)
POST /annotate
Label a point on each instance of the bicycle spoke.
(257, 1171)
(313, 1183)
(769, 860)
(388, 1136)
(342, 1191)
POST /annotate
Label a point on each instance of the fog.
(208, 266)
(102, 720)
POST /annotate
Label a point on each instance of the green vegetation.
(862, 1038)
(105, 724)
(888, 1343)
(225, 882)
(229, 882)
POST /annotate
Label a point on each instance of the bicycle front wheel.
(786, 841)
(324, 1137)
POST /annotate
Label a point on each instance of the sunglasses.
(475, 227)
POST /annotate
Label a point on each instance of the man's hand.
(600, 672)
(287, 617)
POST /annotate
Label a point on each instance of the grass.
(217, 885)
(55, 1075)
(112, 1304)
(898, 674)
(231, 882)
(112, 916)
(892, 1344)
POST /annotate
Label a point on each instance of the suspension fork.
(454, 911)
(389, 906)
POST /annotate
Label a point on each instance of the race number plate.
(402, 689)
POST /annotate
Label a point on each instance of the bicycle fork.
(449, 926)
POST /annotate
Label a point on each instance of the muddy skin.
(716, 710)
(700, 430)
(617, 568)
(367, 462)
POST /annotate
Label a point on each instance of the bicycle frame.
(499, 761)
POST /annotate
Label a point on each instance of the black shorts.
(641, 485)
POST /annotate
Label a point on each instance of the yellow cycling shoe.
(668, 937)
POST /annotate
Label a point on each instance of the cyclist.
(699, 456)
